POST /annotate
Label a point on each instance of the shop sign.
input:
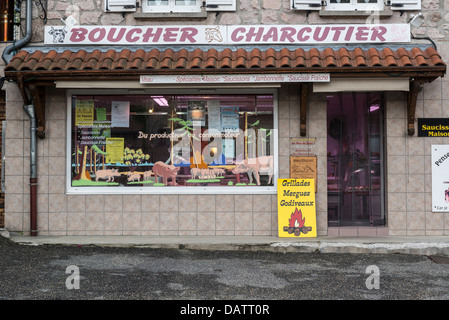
(440, 178)
(433, 127)
(235, 78)
(296, 208)
(227, 34)
(304, 168)
(302, 146)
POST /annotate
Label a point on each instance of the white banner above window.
(228, 35)
(361, 85)
(235, 78)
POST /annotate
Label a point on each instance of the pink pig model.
(107, 174)
(165, 171)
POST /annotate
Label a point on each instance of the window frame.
(381, 5)
(354, 5)
(171, 189)
(171, 7)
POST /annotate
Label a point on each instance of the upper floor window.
(356, 5)
(7, 20)
(171, 5)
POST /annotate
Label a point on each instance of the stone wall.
(408, 158)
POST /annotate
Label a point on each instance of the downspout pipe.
(10, 50)
(7, 55)
(30, 111)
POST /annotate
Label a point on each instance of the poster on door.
(296, 208)
(440, 178)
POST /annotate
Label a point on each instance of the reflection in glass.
(172, 140)
(354, 158)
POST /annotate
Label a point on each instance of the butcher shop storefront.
(186, 130)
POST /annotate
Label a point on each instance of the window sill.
(361, 13)
(171, 16)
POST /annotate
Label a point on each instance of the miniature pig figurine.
(255, 167)
(165, 171)
(147, 175)
(107, 174)
(133, 177)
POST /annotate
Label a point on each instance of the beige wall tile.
(113, 221)
(206, 221)
(169, 220)
(150, 220)
(244, 203)
(169, 203)
(225, 220)
(132, 220)
(188, 221)
(225, 202)
(132, 203)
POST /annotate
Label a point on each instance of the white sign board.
(235, 78)
(227, 34)
(440, 178)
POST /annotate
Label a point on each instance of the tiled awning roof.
(125, 62)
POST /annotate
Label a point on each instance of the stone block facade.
(408, 177)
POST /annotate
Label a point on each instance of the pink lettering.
(337, 33)
(301, 32)
(188, 34)
(362, 34)
(251, 34)
(316, 34)
(150, 34)
(349, 33)
(170, 34)
(96, 38)
(78, 34)
(234, 36)
(130, 34)
(119, 36)
(378, 33)
(271, 35)
(287, 34)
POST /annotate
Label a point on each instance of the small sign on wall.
(304, 168)
(440, 178)
(433, 127)
(296, 208)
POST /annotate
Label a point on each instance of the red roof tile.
(61, 63)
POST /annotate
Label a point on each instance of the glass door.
(354, 162)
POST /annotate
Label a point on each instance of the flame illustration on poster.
(296, 208)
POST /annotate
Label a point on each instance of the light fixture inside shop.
(160, 100)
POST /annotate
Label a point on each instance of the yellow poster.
(84, 112)
(296, 208)
(114, 149)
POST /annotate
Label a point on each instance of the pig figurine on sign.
(133, 177)
(255, 167)
(165, 171)
(106, 174)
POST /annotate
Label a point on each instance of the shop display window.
(172, 141)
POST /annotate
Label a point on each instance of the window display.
(172, 140)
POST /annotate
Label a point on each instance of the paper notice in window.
(84, 112)
(120, 114)
(114, 149)
(213, 115)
